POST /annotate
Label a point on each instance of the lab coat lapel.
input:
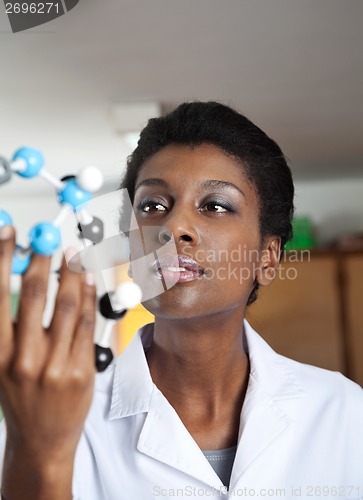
(165, 438)
(261, 423)
(271, 403)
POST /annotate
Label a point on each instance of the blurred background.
(81, 87)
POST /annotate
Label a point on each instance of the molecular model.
(45, 237)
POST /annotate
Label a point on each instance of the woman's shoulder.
(284, 376)
(321, 380)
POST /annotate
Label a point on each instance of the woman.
(198, 404)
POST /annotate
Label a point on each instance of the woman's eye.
(151, 206)
(215, 207)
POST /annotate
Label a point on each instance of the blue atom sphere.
(21, 261)
(73, 195)
(5, 218)
(34, 161)
(44, 238)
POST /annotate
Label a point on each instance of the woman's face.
(202, 198)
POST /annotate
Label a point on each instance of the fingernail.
(89, 279)
(5, 232)
(71, 253)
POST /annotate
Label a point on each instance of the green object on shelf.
(303, 234)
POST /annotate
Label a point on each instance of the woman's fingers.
(65, 317)
(72, 359)
(83, 346)
(68, 343)
(7, 245)
(46, 387)
(30, 341)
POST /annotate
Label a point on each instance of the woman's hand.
(46, 375)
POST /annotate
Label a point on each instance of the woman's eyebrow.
(210, 183)
(152, 182)
(221, 184)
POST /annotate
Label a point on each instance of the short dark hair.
(263, 162)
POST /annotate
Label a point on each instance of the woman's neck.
(200, 363)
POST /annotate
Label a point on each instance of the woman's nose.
(180, 230)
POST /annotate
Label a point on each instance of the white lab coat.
(300, 436)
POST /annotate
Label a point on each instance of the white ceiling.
(295, 67)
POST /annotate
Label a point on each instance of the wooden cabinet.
(352, 272)
(313, 311)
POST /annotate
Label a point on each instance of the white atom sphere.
(90, 179)
(128, 295)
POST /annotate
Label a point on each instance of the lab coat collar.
(266, 413)
(132, 384)
(270, 370)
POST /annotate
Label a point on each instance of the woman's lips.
(177, 269)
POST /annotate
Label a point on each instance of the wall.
(335, 206)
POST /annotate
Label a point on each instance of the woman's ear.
(269, 261)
